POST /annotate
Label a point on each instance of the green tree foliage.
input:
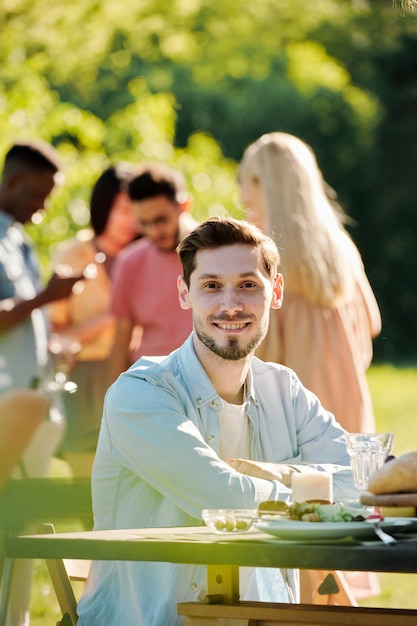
(192, 82)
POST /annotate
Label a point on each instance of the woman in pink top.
(329, 317)
(325, 328)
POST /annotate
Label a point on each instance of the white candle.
(312, 487)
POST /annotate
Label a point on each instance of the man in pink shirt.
(149, 320)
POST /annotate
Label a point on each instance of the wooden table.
(223, 554)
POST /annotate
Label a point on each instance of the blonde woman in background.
(84, 319)
(325, 328)
(329, 317)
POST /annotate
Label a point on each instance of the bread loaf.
(398, 475)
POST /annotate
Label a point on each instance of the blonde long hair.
(318, 257)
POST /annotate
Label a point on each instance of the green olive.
(230, 525)
(241, 524)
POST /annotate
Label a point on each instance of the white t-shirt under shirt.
(235, 443)
(234, 432)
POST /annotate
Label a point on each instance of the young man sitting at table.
(176, 428)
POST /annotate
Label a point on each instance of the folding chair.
(62, 572)
(33, 501)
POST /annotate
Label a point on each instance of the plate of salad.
(308, 521)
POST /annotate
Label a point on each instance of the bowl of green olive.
(229, 520)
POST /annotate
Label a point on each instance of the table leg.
(222, 584)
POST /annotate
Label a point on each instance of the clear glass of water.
(367, 452)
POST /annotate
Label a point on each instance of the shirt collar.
(199, 384)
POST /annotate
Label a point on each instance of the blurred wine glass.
(63, 350)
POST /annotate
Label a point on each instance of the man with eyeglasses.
(145, 301)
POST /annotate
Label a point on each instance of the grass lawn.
(394, 393)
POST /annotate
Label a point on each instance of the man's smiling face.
(230, 295)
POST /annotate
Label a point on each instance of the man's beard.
(232, 351)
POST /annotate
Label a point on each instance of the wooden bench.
(264, 614)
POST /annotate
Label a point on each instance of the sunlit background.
(193, 82)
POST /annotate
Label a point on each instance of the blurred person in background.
(325, 328)
(30, 173)
(145, 303)
(83, 323)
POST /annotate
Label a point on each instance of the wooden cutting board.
(389, 499)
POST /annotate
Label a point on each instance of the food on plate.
(273, 506)
(313, 511)
(316, 512)
(279, 507)
(398, 475)
(398, 511)
(392, 504)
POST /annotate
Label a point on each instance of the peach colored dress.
(330, 349)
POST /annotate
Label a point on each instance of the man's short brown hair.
(226, 231)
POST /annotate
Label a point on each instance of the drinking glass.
(63, 350)
(367, 452)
